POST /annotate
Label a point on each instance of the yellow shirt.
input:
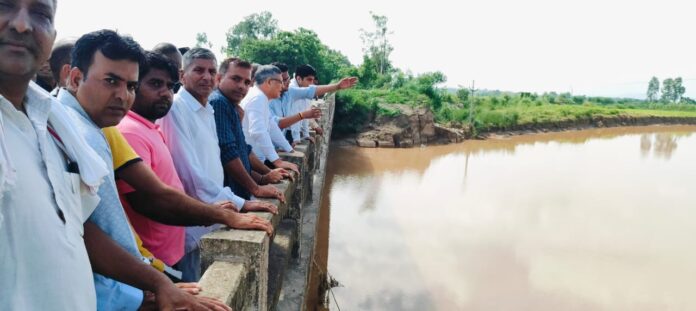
(121, 151)
(123, 155)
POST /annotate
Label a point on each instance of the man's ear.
(218, 78)
(63, 75)
(75, 78)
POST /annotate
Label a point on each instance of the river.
(599, 219)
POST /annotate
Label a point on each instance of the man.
(260, 129)
(37, 138)
(305, 76)
(60, 63)
(286, 115)
(153, 100)
(101, 88)
(170, 51)
(233, 80)
(189, 132)
(44, 78)
(162, 199)
(41, 213)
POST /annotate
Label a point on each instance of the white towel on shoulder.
(92, 167)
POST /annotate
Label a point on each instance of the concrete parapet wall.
(236, 262)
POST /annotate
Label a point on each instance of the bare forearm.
(257, 165)
(289, 120)
(174, 208)
(111, 260)
(163, 203)
(236, 169)
(257, 177)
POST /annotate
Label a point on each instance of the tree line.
(672, 91)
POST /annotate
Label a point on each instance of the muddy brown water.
(591, 220)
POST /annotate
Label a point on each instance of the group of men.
(108, 182)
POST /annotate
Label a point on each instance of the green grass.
(358, 107)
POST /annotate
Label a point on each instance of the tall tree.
(679, 89)
(653, 89)
(376, 43)
(253, 27)
(668, 90)
(202, 41)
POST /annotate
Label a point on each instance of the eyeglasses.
(277, 80)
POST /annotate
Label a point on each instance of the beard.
(160, 109)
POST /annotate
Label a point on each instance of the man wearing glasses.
(259, 129)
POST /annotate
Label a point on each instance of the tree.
(376, 44)
(202, 41)
(426, 84)
(668, 90)
(653, 89)
(296, 48)
(253, 27)
(678, 89)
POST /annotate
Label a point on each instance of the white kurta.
(43, 259)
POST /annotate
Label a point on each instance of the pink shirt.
(164, 241)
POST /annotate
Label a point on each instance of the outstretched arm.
(345, 83)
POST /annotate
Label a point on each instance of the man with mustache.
(189, 132)
(170, 51)
(101, 87)
(41, 189)
(245, 174)
(287, 110)
(260, 128)
(156, 225)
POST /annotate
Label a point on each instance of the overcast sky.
(591, 47)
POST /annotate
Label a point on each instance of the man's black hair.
(225, 65)
(304, 71)
(184, 49)
(165, 48)
(60, 56)
(156, 60)
(110, 44)
(282, 66)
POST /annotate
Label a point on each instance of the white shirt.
(260, 131)
(190, 133)
(43, 260)
(301, 129)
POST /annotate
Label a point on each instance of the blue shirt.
(283, 106)
(231, 139)
(109, 215)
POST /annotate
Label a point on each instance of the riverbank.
(416, 127)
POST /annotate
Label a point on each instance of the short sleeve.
(122, 153)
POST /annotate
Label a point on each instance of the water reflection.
(570, 221)
(661, 144)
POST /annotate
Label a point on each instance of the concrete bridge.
(248, 270)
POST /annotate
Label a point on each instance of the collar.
(140, 119)
(190, 101)
(67, 99)
(257, 92)
(37, 103)
(218, 96)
